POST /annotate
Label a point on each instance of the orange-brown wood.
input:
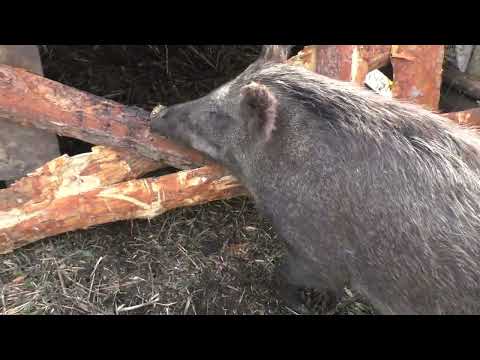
(344, 62)
(145, 198)
(75, 175)
(418, 74)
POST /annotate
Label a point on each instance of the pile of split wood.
(71, 193)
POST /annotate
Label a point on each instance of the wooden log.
(23, 149)
(343, 62)
(65, 176)
(462, 82)
(32, 100)
(417, 74)
(144, 198)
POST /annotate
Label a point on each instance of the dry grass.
(211, 259)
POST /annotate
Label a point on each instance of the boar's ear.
(275, 53)
(259, 108)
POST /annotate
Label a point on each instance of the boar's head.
(239, 113)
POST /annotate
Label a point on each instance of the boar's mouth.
(158, 123)
(175, 131)
(166, 129)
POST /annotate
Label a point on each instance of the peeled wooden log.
(343, 62)
(417, 73)
(144, 198)
(65, 176)
(19, 145)
(32, 100)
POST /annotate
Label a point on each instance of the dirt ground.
(211, 259)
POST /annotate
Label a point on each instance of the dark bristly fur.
(365, 190)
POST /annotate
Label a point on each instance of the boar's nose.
(158, 112)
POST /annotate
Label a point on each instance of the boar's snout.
(160, 122)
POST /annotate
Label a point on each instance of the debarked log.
(32, 100)
(65, 176)
(143, 198)
(417, 74)
(343, 62)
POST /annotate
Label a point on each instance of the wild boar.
(367, 191)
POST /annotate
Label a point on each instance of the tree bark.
(59, 212)
(32, 100)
